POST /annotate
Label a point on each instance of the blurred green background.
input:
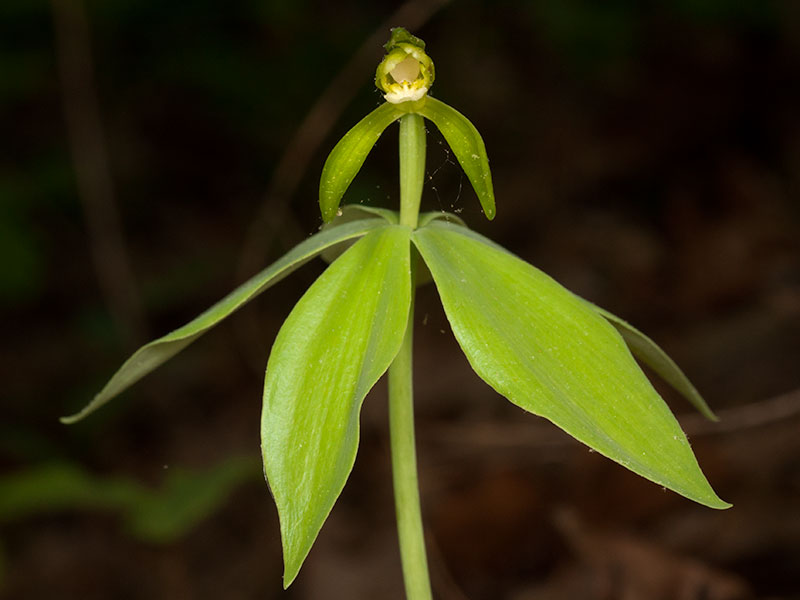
(153, 155)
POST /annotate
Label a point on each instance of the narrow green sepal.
(349, 154)
(467, 145)
(401, 35)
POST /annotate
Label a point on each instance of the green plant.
(543, 348)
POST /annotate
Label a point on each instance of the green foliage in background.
(185, 498)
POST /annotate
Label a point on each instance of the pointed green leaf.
(647, 351)
(349, 154)
(545, 350)
(150, 356)
(467, 145)
(338, 340)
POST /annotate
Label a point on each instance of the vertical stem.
(401, 389)
(412, 167)
(404, 472)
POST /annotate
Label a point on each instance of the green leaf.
(338, 340)
(467, 145)
(349, 154)
(152, 355)
(545, 350)
(647, 351)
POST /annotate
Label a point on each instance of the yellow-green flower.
(406, 73)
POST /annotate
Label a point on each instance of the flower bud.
(406, 72)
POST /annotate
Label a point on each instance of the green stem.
(401, 389)
(412, 167)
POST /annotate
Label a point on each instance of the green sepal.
(338, 340)
(349, 154)
(547, 351)
(647, 351)
(467, 145)
(150, 356)
(401, 35)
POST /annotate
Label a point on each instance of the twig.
(92, 170)
(780, 408)
(538, 435)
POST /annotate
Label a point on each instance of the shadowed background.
(156, 154)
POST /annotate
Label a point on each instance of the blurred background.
(155, 154)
